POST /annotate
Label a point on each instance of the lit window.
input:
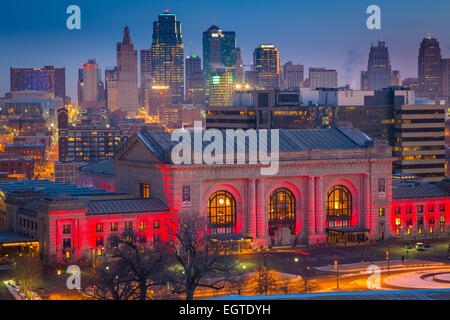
(128, 225)
(114, 226)
(442, 207)
(221, 213)
(156, 224)
(398, 222)
(381, 212)
(281, 210)
(99, 242)
(145, 190)
(142, 225)
(339, 207)
(67, 229)
(99, 227)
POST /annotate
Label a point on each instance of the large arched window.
(281, 210)
(222, 213)
(339, 207)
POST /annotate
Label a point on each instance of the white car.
(420, 246)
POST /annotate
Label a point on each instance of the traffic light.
(335, 264)
(59, 273)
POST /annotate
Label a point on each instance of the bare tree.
(238, 283)
(128, 271)
(264, 280)
(28, 274)
(203, 264)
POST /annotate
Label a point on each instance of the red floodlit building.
(73, 223)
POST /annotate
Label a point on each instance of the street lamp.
(336, 266)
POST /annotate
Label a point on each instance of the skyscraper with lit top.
(168, 55)
(266, 63)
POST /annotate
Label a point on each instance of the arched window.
(339, 207)
(222, 213)
(281, 210)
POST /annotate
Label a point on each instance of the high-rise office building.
(90, 86)
(111, 86)
(127, 70)
(195, 84)
(168, 55)
(292, 75)
(239, 74)
(429, 68)
(219, 51)
(221, 87)
(445, 78)
(48, 79)
(322, 78)
(378, 75)
(146, 77)
(266, 63)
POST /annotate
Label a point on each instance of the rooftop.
(424, 191)
(290, 140)
(103, 168)
(102, 207)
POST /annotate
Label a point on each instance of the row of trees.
(132, 271)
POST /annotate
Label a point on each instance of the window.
(145, 190)
(442, 207)
(442, 219)
(67, 243)
(129, 239)
(381, 212)
(281, 210)
(431, 221)
(431, 230)
(339, 207)
(382, 185)
(143, 238)
(398, 222)
(398, 210)
(99, 227)
(156, 237)
(156, 224)
(128, 225)
(431, 208)
(420, 230)
(114, 226)
(442, 229)
(420, 221)
(420, 208)
(221, 212)
(67, 229)
(142, 225)
(99, 242)
(409, 209)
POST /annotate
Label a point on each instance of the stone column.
(260, 214)
(367, 212)
(319, 207)
(251, 212)
(310, 207)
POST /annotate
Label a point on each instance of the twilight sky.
(325, 33)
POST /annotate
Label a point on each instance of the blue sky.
(326, 33)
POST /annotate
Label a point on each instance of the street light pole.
(336, 266)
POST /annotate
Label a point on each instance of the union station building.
(333, 186)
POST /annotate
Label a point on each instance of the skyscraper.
(445, 78)
(168, 55)
(378, 75)
(48, 79)
(221, 87)
(266, 63)
(239, 77)
(111, 86)
(292, 75)
(90, 86)
(195, 84)
(146, 77)
(219, 52)
(322, 78)
(429, 68)
(127, 70)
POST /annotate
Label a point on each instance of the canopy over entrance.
(347, 234)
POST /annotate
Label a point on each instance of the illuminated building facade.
(127, 76)
(48, 79)
(266, 63)
(90, 86)
(292, 75)
(73, 223)
(168, 55)
(329, 187)
(221, 86)
(219, 51)
(111, 85)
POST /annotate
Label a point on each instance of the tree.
(264, 280)
(238, 282)
(28, 274)
(130, 269)
(203, 264)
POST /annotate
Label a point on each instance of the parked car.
(408, 245)
(420, 246)
(427, 244)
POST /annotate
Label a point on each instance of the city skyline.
(349, 39)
